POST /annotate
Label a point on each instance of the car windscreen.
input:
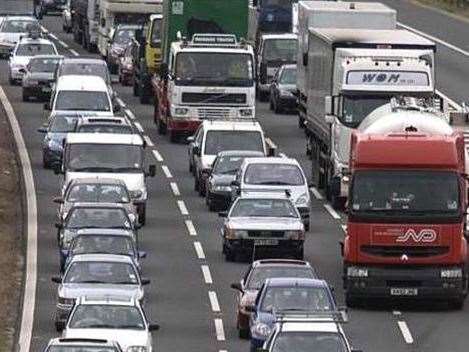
(124, 35)
(100, 272)
(19, 26)
(108, 244)
(296, 298)
(97, 218)
(274, 175)
(98, 193)
(107, 316)
(356, 108)
(218, 141)
(97, 157)
(280, 50)
(288, 76)
(35, 49)
(303, 342)
(263, 208)
(82, 101)
(227, 165)
(63, 124)
(43, 64)
(88, 69)
(105, 128)
(259, 274)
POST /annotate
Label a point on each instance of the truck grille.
(214, 98)
(398, 251)
(266, 234)
(403, 283)
(213, 113)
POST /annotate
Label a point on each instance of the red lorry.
(406, 218)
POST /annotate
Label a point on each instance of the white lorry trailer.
(330, 14)
(351, 74)
(115, 12)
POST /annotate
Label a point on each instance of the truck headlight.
(245, 112)
(181, 111)
(453, 273)
(262, 330)
(354, 271)
(136, 349)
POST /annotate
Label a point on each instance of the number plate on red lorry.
(399, 291)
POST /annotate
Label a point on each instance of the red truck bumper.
(187, 127)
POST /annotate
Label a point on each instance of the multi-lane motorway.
(189, 294)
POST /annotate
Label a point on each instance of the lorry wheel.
(350, 301)
(457, 303)
(301, 122)
(144, 98)
(135, 87)
(263, 96)
(25, 96)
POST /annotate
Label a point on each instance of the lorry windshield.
(82, 100)
(214, 69)
(218, 141)
(357, 107)
(156, 33)
(97, 157)
(398, 193)
(280, 50)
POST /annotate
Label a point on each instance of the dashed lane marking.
(74, 53)
(182, 207)
(130, 114)
(64, 45)
(212, 295)
(148, 141)
(121, 102)
(139, 126)
(191, 228)
(175, 189)
(157, 156)
(166, 171)
(405, 331)
(220, 331)
(207, 275)
(53, 36)
(199, 250)
(331, 211)
(316, 193)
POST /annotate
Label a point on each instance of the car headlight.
(136, 349)
(31, 82)
(285, 93)
(136, 194)
(66, 301)
(236, 234)
(354, 271)
(295, 235)
(262, 330)
(117, 51)
(54, 144)
(453, 273)
(181, 111)
(222, 188)
(245, 112)
(302, 200)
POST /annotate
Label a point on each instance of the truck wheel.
(25, 96)
(350, 300)
(263, 96)
(144, 98)
(457, 303)
(135, 87)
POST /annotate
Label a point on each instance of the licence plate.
(398, 291)
(267, 242)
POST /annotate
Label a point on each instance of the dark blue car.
(283, 296)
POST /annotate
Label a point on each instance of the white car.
(26, 49)
(67, 17)
(12, 28)
(119, 319)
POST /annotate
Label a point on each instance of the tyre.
(211, 205)
(301, 122)
(142, 214)
(350, 300)
(25, 96)
(271, 103)
(338, 203)
(161, 127)
(230, 256)
(135, 87)
(196, 184)
(191, 168)
(202, 190)
(45, 163)
(457, 303)
(58, 326)
(307, 226)
(144, 98)
(263, 96)
(277, 107)
(173, 136)
(299, 254)
(243, 334)
(11, 81)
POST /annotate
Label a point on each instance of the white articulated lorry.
(115, 12)
(351, 74)
(330, 14)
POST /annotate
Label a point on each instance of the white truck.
(84, 22)
(351, 75)
(330, 14)
(115, 12)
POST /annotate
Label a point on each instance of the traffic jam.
(383, 151)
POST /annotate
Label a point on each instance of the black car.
(47, 6)
(282, 89)
(225, 166)
(38, 77)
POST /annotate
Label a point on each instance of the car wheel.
(25, 96)
(350, 300)
(144, 98)
(142, 213)
(45, 163)
(201, 189)
(230, 256)
(243, 334)
(11, 81)
(300, 254)
(263, 96)
(277, 107)
(135, 88)
(271, 103)
(211, 205)
(457, 303)
(173, 136)
(196, 184)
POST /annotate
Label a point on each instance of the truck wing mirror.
(328, 105)
(305, 59)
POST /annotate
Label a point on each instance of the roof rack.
(313, 316)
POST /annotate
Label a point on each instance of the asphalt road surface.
(189, 294)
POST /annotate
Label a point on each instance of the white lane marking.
(212, 295)
(450, 101)
(130, 114)
(344, 228)
(148, 141)
(207, 274)
(166, 171)
(219, 329)
(74, 53)
(191, 228)
(316, 193)
(175, 189)
(182, 207)
(29, 293)
(157, 156)
(396, 312)
(53, 36)
(139, 126)
(120, 102)
(331, 211)
(64, 45)
(199, 250)
(405, 332)
(435, 39)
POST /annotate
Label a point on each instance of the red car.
(255, 277)
(126, 66)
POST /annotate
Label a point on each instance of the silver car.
(262, 222)
(12, 28)
(96, 275)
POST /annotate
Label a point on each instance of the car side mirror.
(142, 254)
(47, 106)
(223, 214)
(145, 281)
(235, 183)
(152, 170)
(153, 327)
(190, 139)
(58, 200)
(237, 286)
(42, 129)
(56, 279)
(196, 150)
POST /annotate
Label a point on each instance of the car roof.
(281, 262)
(104, 138)
(47, 57)
(27, 40)
(81, 82)
(104, 232)
(272, 160)
(98, 180)
(305, 326)
(231, 125)
(240, 153)
(18, 17)
(116, 258)
(292, 281)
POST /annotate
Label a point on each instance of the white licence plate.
(398, 291)
(267, 242)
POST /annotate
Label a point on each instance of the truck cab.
(212, 76)
(273, 51)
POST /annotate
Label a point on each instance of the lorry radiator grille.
(214, 98)
(398, 251)
(213, 113)
(262, 233)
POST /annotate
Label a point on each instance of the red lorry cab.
(406, 217)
